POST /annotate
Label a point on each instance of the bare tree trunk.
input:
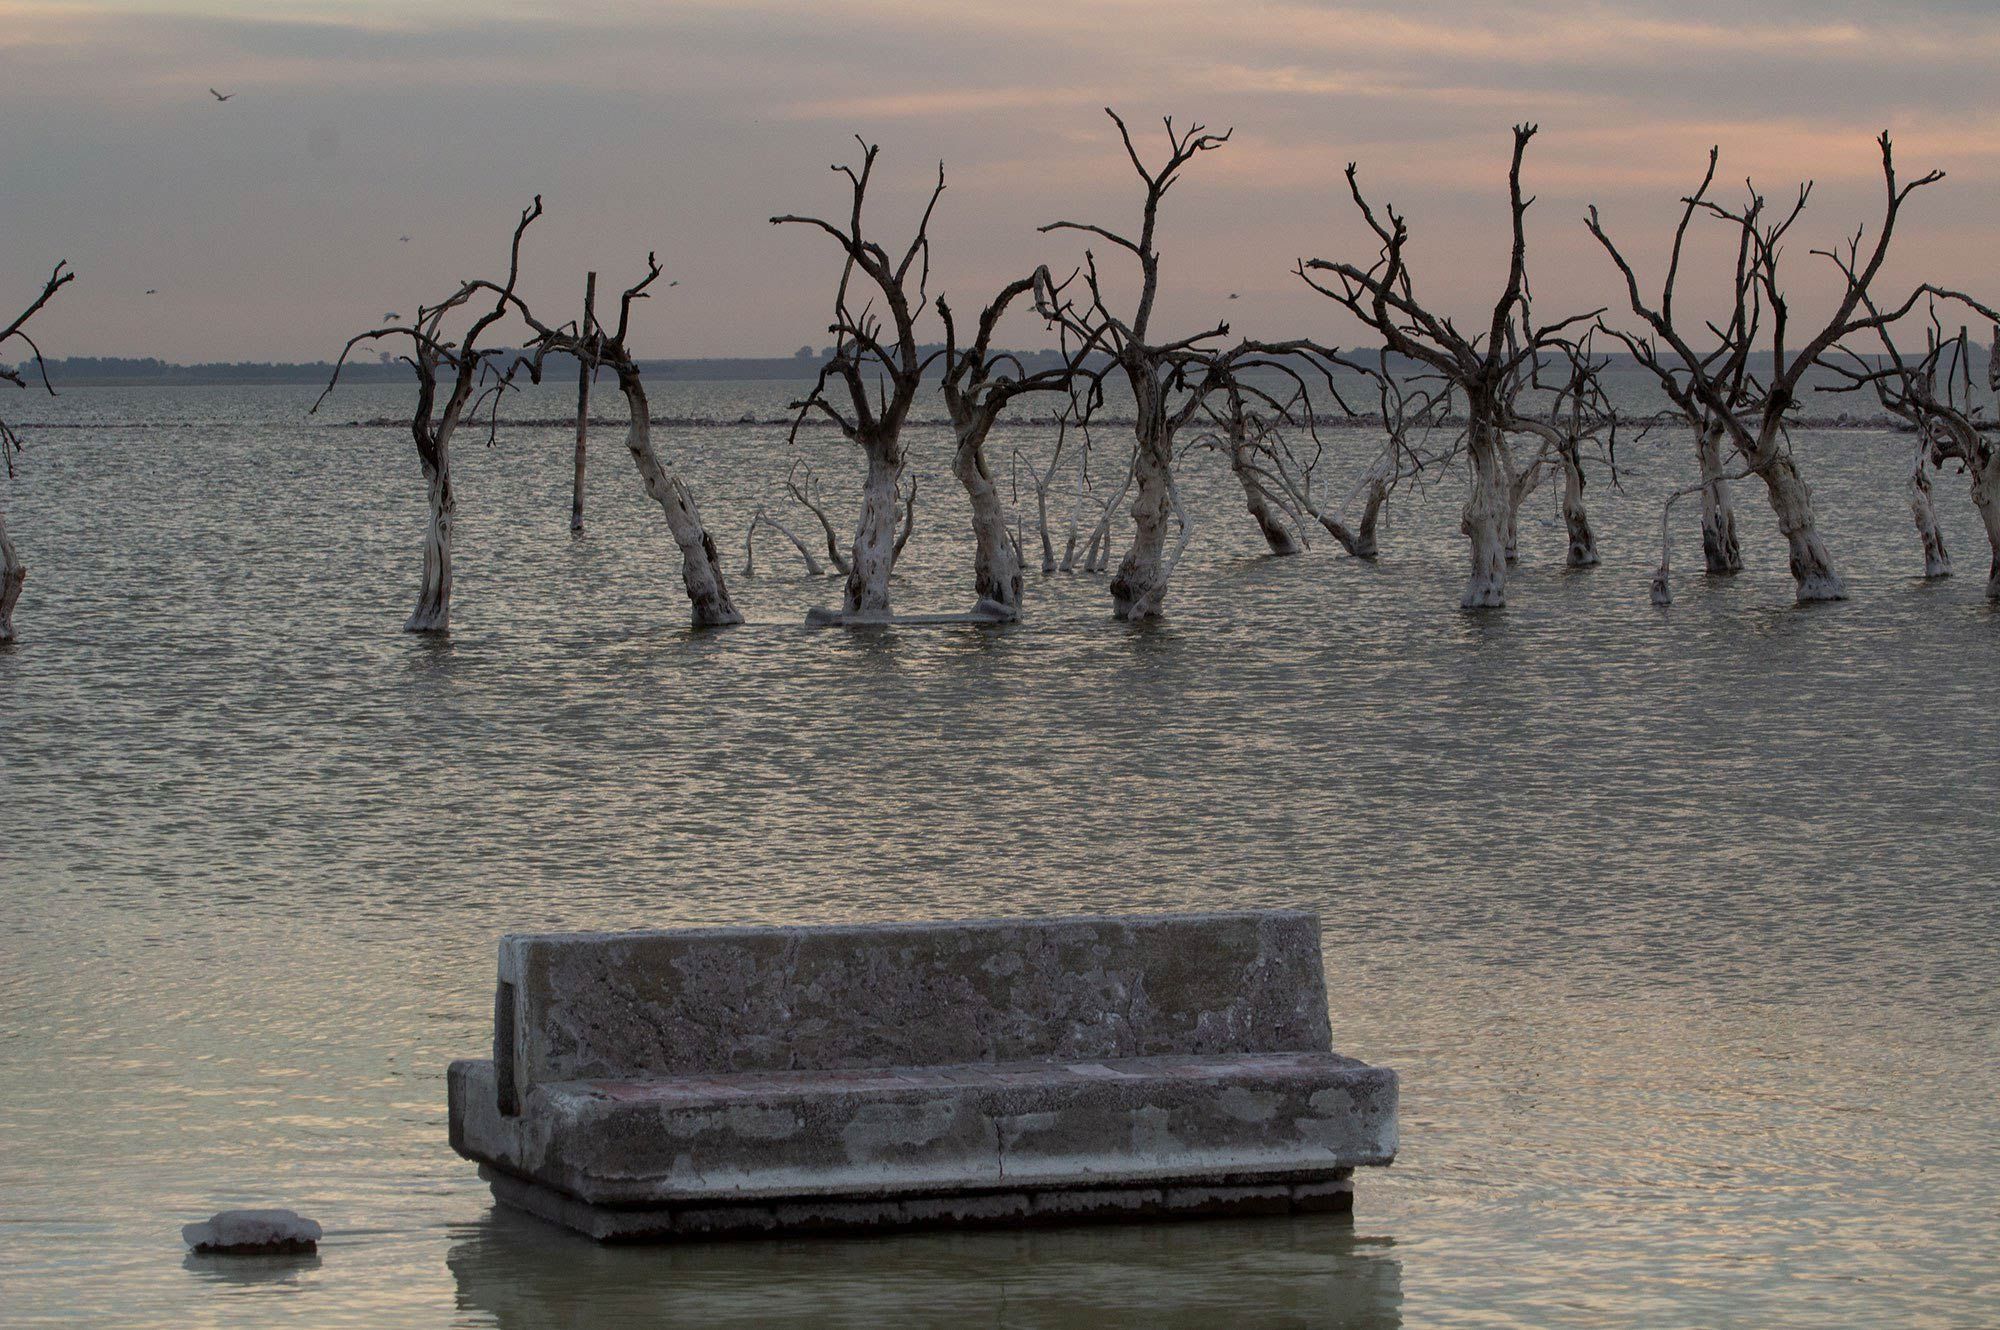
(996, 560)
(802, 492)
(1937, 561)
(1811, 561)
(1719, 547)
(1582, 540)
(762, 518)
(1486, 515)
(1256, 498)
(583, 375)
(1042, 523)
(1370, 493)
(1141, 584)
(1986, 498)
(1068, 563)
(12, 574)
(874, 551)
(1374, 492)
(433, 612)
(1276, 534)
(701, 565)
(909, 498)
(1520, 484)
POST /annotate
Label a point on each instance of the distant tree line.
(1513, 401)
(1509, 402)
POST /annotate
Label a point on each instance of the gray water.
(1679, 926)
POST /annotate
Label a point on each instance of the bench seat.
(698, 1082)
(913, 1130)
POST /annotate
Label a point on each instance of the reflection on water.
(250, 1271)
(1307, 1271)
(1680, 927)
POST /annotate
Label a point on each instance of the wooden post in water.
(585, 367)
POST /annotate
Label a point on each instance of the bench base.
(1330, 1193)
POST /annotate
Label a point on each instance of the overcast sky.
(270, 224)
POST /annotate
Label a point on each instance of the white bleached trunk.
(1097, 554)
(1373, 493)
(1068, 563)
(1095, 559)
(996, 559)
(1937, 561)
(874, 552)
(1520, 484)
(1257, 500)
(1721, 553)
(1141, 583)
(701, 564)
(1986, 498)
(1042, 524)
(1488, 510)
(763, 518)
(1576, 521)
(1140, 586)
(12, 574)
(1811, 561)
(1369, 494)
(433, 612)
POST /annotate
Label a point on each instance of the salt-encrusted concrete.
(736, 1080)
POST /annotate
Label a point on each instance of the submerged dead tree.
(592, 345)
(1909, 392)
(1726, 367)
(1412, 416)
(865, 344)
(1933, 394)
(1755, 415)
(1158, 372)
(1479, 367)
(1252, 442)
(466, 369)
(979, 382)
(585, 372)
(1255, 396)
(14, 573)
(1563, 406)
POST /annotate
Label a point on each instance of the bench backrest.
(614, 1006)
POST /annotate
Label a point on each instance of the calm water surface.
(1680, 927)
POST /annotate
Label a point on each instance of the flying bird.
(675, 282)
(152, 290)
(391, 315)
(404, 239)
(1232, 295)
(220, 96)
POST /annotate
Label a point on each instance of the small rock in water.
(253, 1233)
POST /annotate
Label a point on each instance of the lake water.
(1680, 926)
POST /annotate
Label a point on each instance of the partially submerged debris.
(253, 1233)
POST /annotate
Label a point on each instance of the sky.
(270, 224)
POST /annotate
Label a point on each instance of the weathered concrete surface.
(965, 1209)
(881, 1133)
(253, 1233)
(730, 1080)
(589, 1006)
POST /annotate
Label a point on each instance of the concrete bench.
(731, 1080)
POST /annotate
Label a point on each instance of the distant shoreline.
(107, 372)
(122, 372)
(118, 372)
